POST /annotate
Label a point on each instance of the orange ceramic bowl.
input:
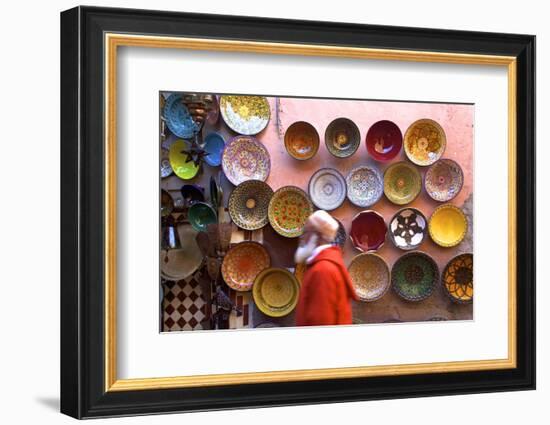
(301, 140)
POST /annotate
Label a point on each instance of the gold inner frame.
(113, 41)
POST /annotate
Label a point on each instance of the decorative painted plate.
(327, 189)
(243, 263)
(368, 231)
(200, 215)
(247, 115)
(341, 235)
(365, 186)
(342, 137)
(370, 276)
(213, 146)
(165, 167)
(402, 183)
(177, 264)
(288, 211)
(414, 276)
(276, 292)
(458, 278)
(425, 142)
(301, 140)
(249, 204)
(183, 168)
(448, 225)
(178, 119)
(384, 140)
(245, 158)
(443, 180)
(407, 228)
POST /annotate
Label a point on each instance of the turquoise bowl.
(201, 215)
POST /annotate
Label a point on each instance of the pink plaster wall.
(457, 122)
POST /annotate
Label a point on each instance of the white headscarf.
(323, 223)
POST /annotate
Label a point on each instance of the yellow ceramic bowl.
(402, 183)
(178, 161)
(424, 142)
(275, 292)
(448, 225)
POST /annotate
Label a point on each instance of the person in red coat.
(327, 290)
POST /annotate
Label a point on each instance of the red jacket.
(326, 292)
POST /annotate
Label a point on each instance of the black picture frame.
(83, 392)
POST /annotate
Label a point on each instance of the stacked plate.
(276, 292)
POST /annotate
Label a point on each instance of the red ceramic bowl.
(384, 140)
(368, 231)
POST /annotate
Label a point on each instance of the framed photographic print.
(261, 212)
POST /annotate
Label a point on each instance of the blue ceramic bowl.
(213, 145)
(178, 119)
(192, 193)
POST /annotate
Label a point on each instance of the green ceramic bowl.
(201, 215)
(414, 276)
(342, 137)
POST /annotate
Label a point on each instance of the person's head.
(320, 229)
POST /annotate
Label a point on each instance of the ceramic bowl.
(370, 276)
(165, 167)
(178, 119)
(424, 142)
(384, 140)
(407, 228)
(249, 204)
(246, 115)
(245, 158)
(275, 292)
(414, 276)
(443, 180)
(448, 225)
(301, 140)
(342, 137)
(368, 231)
(183, 168)
(166, 203)
(327, 189)
(243, 263)
(192, 193)
(178, 264)
(365, 186)
(458, 278)
(402, 183)
(200, 215)
(215, 193)
(213, 146)
(288, 210)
